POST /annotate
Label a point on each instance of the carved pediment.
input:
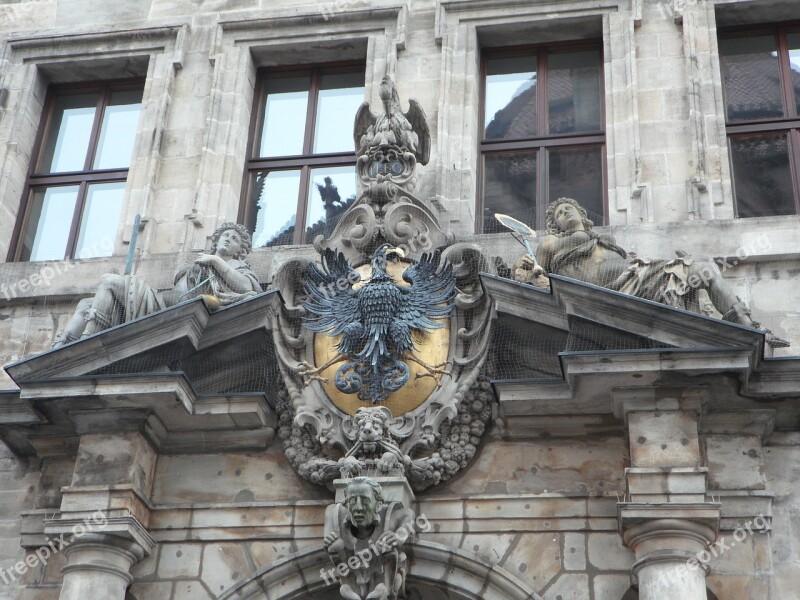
(192, 379)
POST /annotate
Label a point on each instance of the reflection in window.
(118, 131)
(340, 95)
(284, 116)
(302, 172)
(762, 176)
(276, 217)
(794, 67)
(543, 114)
(332, 192)
(752, 78)
(510, 104)
(46, 237)
(99, 220)
(573, 92)
(76, 191)
(70, 131)
(761, 87)
(509, 187)
(578, 173)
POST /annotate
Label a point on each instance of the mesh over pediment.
(522, 349)
(586, 336)
(244, 364)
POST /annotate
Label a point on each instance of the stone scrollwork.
(424, 433)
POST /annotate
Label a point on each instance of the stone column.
(665, 518)
(666, 541)
(102, 526)
(98, 566)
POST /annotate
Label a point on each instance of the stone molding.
(710, 191)
(298, 575)
(124, 534)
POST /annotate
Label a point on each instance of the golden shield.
(431, 348)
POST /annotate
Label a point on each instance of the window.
(761, 85)
(302, 176)
(74, 191)
(542, 133)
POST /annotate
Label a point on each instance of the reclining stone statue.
(572, 249)
(364, 539)
(222, 275)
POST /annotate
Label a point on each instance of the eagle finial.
(408, 130)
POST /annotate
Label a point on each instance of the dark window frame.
(540, 143)
(36, 180)
(304, 162)
(789, 124)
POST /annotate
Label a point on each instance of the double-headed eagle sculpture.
(376, 318)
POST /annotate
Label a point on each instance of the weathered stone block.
(664, 439)
(610, 587)
(179, 561)
(607, 552)
(735, 462)
(574, 551)
(536, 558)
(223, 565)
(569, 587)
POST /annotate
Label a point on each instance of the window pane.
(274, 195)
(751, 78)
(761, 175)
(794, 59)
(510, 103)
(284, 114)
(332, 191)
(117, 134)
(509, 187)
(573, 91)
(68, 137)
(100, 220)
(578, 173)
(49, 223)
(340, 95)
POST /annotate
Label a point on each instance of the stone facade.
(605, 481)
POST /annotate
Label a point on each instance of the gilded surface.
(432, 348)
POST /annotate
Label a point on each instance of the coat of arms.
(382, 340)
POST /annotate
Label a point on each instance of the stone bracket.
(641, 399)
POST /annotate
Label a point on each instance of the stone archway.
(435, 572)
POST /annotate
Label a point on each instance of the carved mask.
(361, 504)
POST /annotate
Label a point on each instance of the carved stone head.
(363, 499)
(244, 236)
(371, 423)
(554, 227)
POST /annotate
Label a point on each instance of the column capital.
(632, 515)
(667, 533)
(121, 533)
